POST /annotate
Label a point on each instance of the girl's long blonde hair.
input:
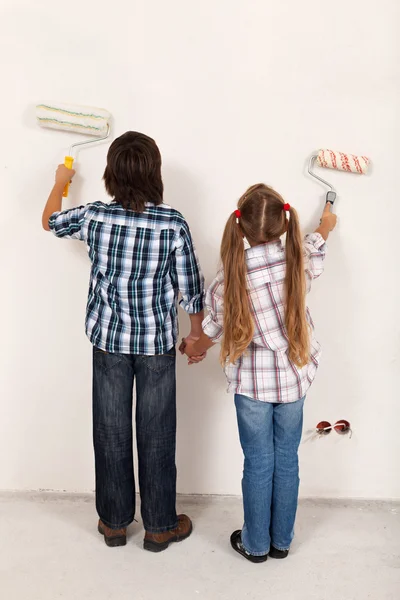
(262, 220)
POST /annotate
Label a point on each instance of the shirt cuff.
(212, 329)
(52, 221)
(316, 240)
(194, 306)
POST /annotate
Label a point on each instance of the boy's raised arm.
(54, 201)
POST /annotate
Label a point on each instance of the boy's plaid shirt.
(264, 372)
(140, 263)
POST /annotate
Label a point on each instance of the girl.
(257, 310)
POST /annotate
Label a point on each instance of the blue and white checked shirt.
(140, 263)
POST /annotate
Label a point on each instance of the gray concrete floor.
(50, 549)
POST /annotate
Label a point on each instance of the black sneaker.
(236, 543)
(275, 553)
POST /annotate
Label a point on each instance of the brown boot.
(112, 537)
(156, 542)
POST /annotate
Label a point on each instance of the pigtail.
(238, 320)
(295, 286)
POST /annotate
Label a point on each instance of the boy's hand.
(328, 219)
(190, 339)
(64, 175)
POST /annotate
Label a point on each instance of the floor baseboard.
(67, 496)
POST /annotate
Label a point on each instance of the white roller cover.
(72, 117)
(331, 159)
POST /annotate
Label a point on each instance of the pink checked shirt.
(264, 372)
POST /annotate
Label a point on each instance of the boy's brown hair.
(133, 172)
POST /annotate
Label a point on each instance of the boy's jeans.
(270, 436)
(113, 379)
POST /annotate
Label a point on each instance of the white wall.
(235, 92)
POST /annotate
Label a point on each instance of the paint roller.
(85, 120)
(330, 159)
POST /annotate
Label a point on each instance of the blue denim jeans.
(113, 379)
(270, 436)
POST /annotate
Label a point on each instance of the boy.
(142, 257)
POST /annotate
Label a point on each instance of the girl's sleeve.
(314, 256)
(213, 324)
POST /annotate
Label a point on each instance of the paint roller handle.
(330, 197)
(68, 162)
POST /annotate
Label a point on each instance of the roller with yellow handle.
(68, 162)
(85, 120)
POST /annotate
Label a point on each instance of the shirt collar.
(263, 249)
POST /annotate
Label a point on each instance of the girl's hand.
(328, 219)
(186, 347)
(64, 175)
(194, 360)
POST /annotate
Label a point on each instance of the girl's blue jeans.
(270, 436)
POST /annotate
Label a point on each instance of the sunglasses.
(342, 427)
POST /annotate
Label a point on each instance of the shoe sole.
(275, 556)
(112, 542)
(160, 547)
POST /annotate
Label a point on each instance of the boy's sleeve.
(314, 256)
(213, 324)
(68, 223)
(188, 272)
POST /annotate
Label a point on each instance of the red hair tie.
(238, 214)
(286, 207)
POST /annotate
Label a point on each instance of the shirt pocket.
(159, 362)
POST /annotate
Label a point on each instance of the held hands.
(187, 347)
(64, 175)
